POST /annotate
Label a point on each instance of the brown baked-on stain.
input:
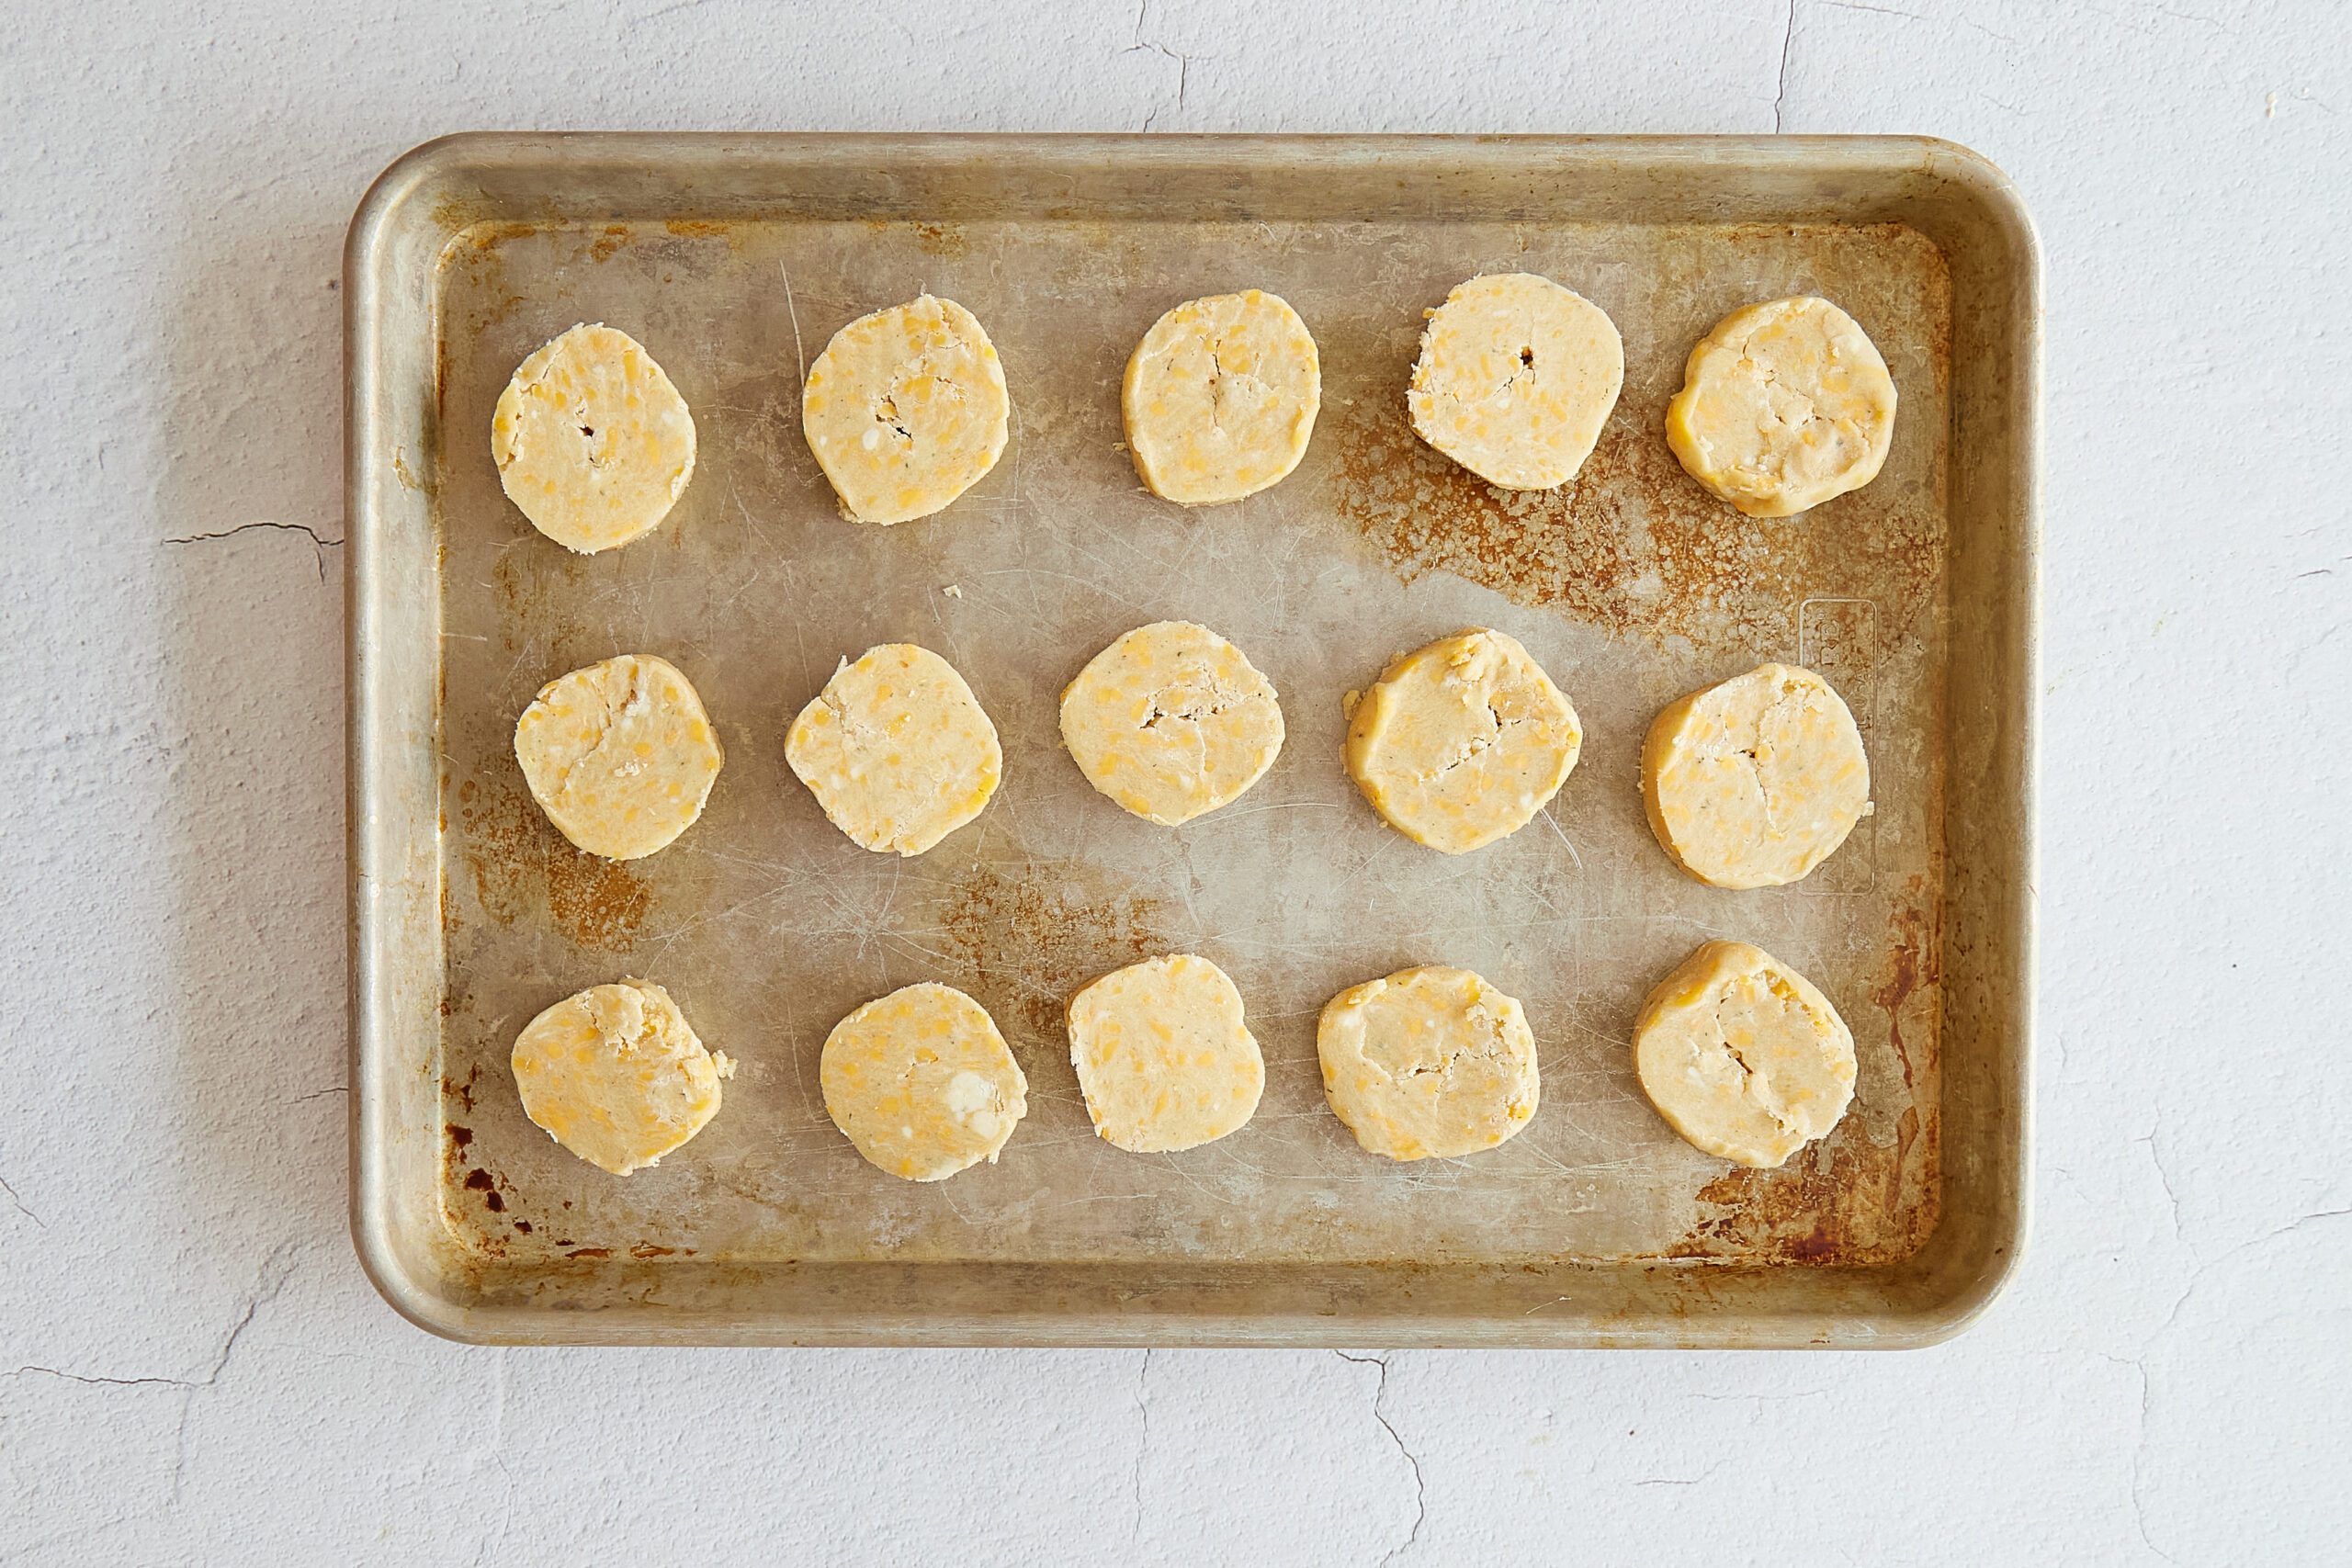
(698, 229)
(1025, 934)
(1632, 543)
(614, 236)
(1837, 1202)
(1914, 965)
(590, 1252)
(647, 1249)
(459, 1137)
(521, 863)
(475, 252)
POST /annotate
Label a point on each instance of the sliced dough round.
(896, 750)
(1220, 397)
(593, 443)
(1753, 783)
(1516, 377)
(619, 755)
(616, 1074)
(1428, 1064)
(1171, 721)
(906, 410)
(922, 1082)
(1743, 1056)
(1782, 406)
(1462, 742)
(1163, 1056)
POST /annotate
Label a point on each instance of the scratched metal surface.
(1630, 587)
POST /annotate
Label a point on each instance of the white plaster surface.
(192, 1368)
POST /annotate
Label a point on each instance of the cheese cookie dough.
(922, 1082)
(1743, 1056)
(617, 1076)
(1171, 721)
(896, 750)
(906, 410)
(1753, 783)
(619, 755)
(1163, 1056)
(1516, 377)
(1220, 397)
(1782, 406)
(1462, 741)
(1428, 1064)
(593, 443)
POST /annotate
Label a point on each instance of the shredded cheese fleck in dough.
(593, 443)
(896, 750)
(1462, 742)
(1516, 377)
(1171, 721)
(1743, 1056)
(922, 1082)
(620, 755)
(1783, 405)
(1428, 1064)
(616, 1074)
(1755, 782)
(1162, 1054)
(906, 410)
(1220, 397)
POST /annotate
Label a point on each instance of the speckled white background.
(192, 1368)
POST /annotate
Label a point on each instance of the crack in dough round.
(1462, 742)
(1163, 1056)
(922, 1082)
(1220, 397)
(896, 750)
(1516, 377)
(1428, 1064)
(1783, 405)
(593, 443)
(617, 1076)
(620, 755)
(1743, 1056)
(1171, 721)
(1755, 782)
(906, 410)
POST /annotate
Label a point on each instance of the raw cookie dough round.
(1220, 397)
(906, 410)
(593, 443)
(1428, 1064)
(922, 1082)
(1742, 1055)
(1782, 406)
(1753, 783)
(616, 1074)
(1516, 377)
(1163, 1056)
(619, 755)
(1171, 720)
(896, 750)
(1462, 742)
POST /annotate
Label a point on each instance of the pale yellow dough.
(620, 755)
(1743, 1056)
(1171, 721)
(616, 1074)
(906, 410)
(1754, 782)
(1782, 406)
(922, 1082)
(1162, 1054)
(1428, 1064)
(1220, 397)
(593, 443)
(896, 750)
(1462, 742)
(1516, 377)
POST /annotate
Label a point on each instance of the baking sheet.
(1629, 585)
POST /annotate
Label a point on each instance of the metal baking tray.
(733, 258)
